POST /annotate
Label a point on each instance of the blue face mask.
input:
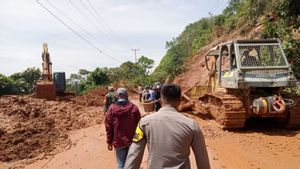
(122, 101)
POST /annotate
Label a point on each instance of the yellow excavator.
(45, 88)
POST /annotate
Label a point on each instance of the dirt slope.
(195, 70)
(93, 97)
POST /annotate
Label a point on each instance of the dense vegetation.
(278, 18)
(195, 36)
(19, 83)
(128, 73)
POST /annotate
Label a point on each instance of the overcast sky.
(115, 28)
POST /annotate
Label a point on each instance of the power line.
(221, 8)
(76, 33)
(98, 16)
(91, 22)
(100, 23)
(213, 7)
(80, 27)
(97, 13)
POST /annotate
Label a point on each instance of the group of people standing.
(150, 94)
(168, 133)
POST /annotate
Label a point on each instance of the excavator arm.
(45, 88)
(47, 65)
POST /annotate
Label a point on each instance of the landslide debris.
(93, 97)
(96, 96)
(32, 127)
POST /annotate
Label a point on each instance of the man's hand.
(109, 147)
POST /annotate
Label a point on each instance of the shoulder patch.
(139, 134)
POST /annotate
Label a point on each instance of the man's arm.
(199, 148)
(109, 127)
(137, 114)
(105, 107)
(106, 99)
(136, 150)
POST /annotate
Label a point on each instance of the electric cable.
(105, 25)
(91, 22)
(80, 27)
(76, 33)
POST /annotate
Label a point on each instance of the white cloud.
(144, 24)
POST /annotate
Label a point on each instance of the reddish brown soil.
(242, 149)
(33, 127)
(93, 97)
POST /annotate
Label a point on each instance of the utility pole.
(135, 50)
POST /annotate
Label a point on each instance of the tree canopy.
(19, 83)
(128, 72)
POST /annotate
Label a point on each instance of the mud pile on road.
(96, 96)
(93, 97)
(209, 127)
(33, 127)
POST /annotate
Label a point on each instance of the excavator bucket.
(45, 90)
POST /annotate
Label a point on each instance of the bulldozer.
(247, 79)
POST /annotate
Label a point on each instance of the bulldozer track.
(227, 109)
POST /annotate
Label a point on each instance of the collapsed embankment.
(32, 127)
(93, 97)
(195, 66)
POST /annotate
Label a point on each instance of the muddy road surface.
(260, 148)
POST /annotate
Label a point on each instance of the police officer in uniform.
(169, 136)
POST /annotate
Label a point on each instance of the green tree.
(77, 82)
(129, 70)
(27, 78)
(146, 64)
(114, 74)
(99, 76)
(31, 75)
(84, 73)
(16, 76)
(10, 86)
(195, 36)
(6, 85)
